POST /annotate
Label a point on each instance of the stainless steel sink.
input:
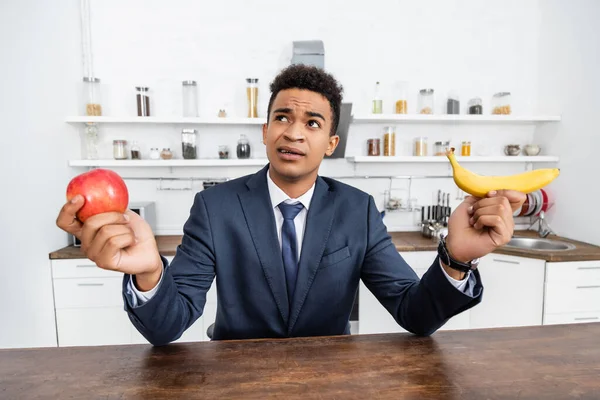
(539, 244)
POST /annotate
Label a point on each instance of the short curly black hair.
(308, 77)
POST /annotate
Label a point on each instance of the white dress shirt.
(278, 196)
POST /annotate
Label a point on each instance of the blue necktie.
(289, 245)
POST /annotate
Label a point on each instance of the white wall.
(40, 53)
(569, 83)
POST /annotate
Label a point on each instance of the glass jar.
(136, 154)
(91, 141)
(188, 143)
(92, 98)
(401, 95)
(142, 97)
(377, 107)
(453, 104)
(252, 95)
(166, 153)
(373, 147)
(465, 149)
(243, 147)
(154, 153)
(119, 149)
(223, 152)
(389, 141)
(441, 148)
(189, 91)
(501, 103)
(475, 106)
(420, 149)
(426, 101)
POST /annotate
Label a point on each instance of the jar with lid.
(136, 154)
(190, 99)
(142, 97)
(373, 147)
(441, 148)
(154, 153)
(91, 94)
(377, 101)
(453, 103)
(420, 149)
(166, 153)
(465, 149)
(91, 141)
(389, 141)
(252, 95)
(401, 95)
(501, 103)
(426, 101)
(243, 147)
(119, 149)
(223, 152)
(475, 106)
(188, 143)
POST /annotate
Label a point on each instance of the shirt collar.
(278, 196)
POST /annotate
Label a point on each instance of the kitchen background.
(540, 51)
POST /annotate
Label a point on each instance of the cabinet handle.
(586, 319)
(589, 287)
(507, 261)
(90, 284)
(588, 267)
(86, 266)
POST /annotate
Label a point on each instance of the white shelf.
(167, 120)
(442, 159)
(170, 163)
(422, 118)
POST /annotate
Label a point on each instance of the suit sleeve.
(180, 298)
(419, 306)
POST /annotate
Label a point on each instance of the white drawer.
(571, 318)
(93, 327)
(87, 292)
(584, 272)
(568, 297)
(80, 268)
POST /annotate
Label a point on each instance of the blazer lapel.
(318, 226)
(256, 204)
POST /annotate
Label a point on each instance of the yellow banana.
(480, 186)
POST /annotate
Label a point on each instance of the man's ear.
(333, 142)
(264, 129)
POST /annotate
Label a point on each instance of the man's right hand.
(115, 241)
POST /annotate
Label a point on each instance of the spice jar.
(136, 154)
(189, 91)
(166, 154)
(426, 101)
(440, 148)
(188, 143)
(223, 152)
(389, 141)
(252, 94)
(465, 149)
(119, 150)
(222, 113)
(475, 106)
(373, 147)
(154, 153)
(92, 96)
(501, 103)
(420, 149)
(91, 140)
(377, 102)
(453, 103)
(401, 104)
(143, 101)
(243, 147)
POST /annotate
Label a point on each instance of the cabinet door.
(93, 326)
(513, 292)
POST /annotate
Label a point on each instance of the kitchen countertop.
(404, 241)
(549, 362)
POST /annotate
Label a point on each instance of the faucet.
(543, 228)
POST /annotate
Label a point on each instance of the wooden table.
(550, 362)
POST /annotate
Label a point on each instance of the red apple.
(103, 191)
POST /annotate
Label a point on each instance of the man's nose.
(294, 133)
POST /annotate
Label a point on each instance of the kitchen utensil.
(512, 150)
(544, 200)
(439, 206)
(532, 149)
(539, 202)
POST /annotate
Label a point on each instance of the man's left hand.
(479, 226)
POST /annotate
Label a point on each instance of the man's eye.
(282, 118)
(314, 124)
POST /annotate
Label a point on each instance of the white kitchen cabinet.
(513, 292)
(93, 326)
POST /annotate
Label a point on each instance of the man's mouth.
(290, 153)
